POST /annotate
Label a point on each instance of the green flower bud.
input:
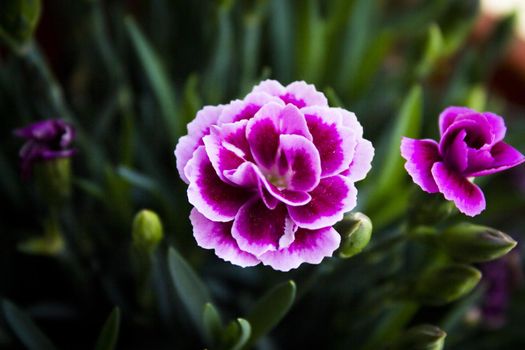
(446, 284)
(53, 180)
(356, 231)
(422, 337)
(18, 19)
(147, 231)
(474, 243)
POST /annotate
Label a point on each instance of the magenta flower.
(45, 140)
(471, 145)
(270, 174)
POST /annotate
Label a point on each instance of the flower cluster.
(270, 174)
(45, 140)
(471, 145)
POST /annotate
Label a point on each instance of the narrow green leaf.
(89, 187)
(212, 323)
(158, 78)
(218, 72)
(191, 101)
(355, 40)
(310, 43)
(251, 45)
(137, 179)
(407, 123)
(109, 334)
(25, 329)
(189, 287)
(333, 98)
(245, 331)
(281, 30)
(432, 52)
(270, 309)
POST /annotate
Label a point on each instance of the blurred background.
(131, 74)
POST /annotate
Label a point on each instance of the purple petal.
(420, 156)
(504, 157)
(271, 87)
(333, 197)
(212, 197)
(246, 108)
(263, 135)
(302, 94)
(362, 161)
(456, 154)
(292, 122)
(336, 144)
(308, 247)
(478, 133)
(197, 129)
(227, 147)
(303, 161)
(258, 229)
(217, 236)
(469, 198)
(297, 93)
(349, 120)
(497, 125)
(449, 115)
(250, 176)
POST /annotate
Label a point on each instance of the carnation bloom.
(270, 174)
(471, 145)
(45, 140)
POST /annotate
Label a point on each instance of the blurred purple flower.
(270, 174)
(45, 140)
(500, 278)
(471, 145)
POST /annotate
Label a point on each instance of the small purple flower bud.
(45, 140)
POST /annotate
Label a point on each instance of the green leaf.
(270, 309)
(137, 179)
(407, 123)
(191, 101)
(356, 37)
(109, 334)
(432, 52)
(212, 323)
(189, 287)
(281, 33)
(25, 329)
(158, 79)
(218, 72)
(251, 44)
(245, 332)
(310, 43)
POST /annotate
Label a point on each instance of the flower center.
(278, 181)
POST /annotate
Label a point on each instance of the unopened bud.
(474, 243)
(422, 337)
(446, 284)
(18, 19)
(356, 230)
(147, 231)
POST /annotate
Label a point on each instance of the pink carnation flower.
(471, 145)
(270, 174)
